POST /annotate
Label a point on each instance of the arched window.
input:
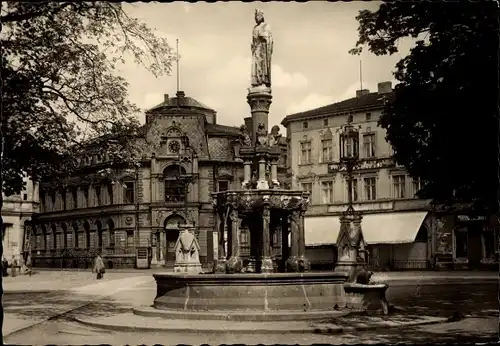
(54, 243)
(75, 235)
(98, 226)
(65, 236)
(86, 228)
(111, 233)
(174, 186)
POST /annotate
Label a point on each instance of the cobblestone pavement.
(118, 292)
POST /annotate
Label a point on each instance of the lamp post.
(350, 242)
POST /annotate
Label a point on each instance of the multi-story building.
(17, 211)
(402, 231)
(133, 218)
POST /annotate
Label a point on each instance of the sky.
(311, 66)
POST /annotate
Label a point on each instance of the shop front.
(465, 241)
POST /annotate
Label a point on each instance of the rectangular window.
(369, 145)
(97, 189)
(174, 191)
(368, 116)
(25, 196)
(305, 125)
(325, 122)
(305, 153)
(416, 186)
(130, 240)
(110, 193)
(86, 196)
(398, 186)
(74, 194)
(354, 190)
(63, 199)
(129, 192)
(307, 187)
(327, 150)
(222, 185)
(370, 189)
(327, 192)
(53, 199)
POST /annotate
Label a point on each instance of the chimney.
(248, 123)
(165, 98)
(362, 92)
(181, 94)
(384, 87)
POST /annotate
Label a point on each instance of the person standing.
(13, 266)
(5, 267)
(29, 264)
(99, 267)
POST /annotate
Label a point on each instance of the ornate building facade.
(402, 231)
(17, 211)
(133, 220)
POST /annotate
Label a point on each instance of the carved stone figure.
(245, 138)
(275, 138)
(262, 138)
(187, 253)
(262, 50)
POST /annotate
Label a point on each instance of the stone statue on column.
(262, 50)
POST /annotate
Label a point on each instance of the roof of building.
(222, 130)
(367, 101)
(180, 100)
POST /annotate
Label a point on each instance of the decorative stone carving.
(275, 138)
(187, 253)
(129, 220)
(262, 137)
(262, 50)
(244, 137)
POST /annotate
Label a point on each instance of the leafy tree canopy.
(59, 83)
(442, 121)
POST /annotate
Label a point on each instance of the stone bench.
(367, 297)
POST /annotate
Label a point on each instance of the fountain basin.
(251, 296)
(367, 297)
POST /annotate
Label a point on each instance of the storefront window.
(461, 243)
(489, 244)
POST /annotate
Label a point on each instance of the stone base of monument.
(249, 297)
(191, 268)
(366, 297)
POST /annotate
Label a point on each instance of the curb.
(8, 292)
(252, 328)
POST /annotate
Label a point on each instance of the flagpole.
(177, 60)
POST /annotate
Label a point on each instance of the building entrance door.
(171, 239)
(171, 227)
(475, 253)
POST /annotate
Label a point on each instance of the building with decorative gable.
(133, 220)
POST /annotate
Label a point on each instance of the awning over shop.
(321, 230)
(383, 228)
(392, 228)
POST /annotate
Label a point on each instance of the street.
(84, 297)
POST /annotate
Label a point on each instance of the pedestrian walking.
(99, 267)
(29, 264)
(13, 266)
(5, 267)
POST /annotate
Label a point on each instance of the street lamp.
(350, 243)
(349, 156)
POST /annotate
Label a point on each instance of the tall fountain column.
(259, 98)
(247, 173)
(262, 183)
(266, 260)
(293, 259)
(235, 264)
(303, 264)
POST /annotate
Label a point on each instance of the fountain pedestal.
(187, 259)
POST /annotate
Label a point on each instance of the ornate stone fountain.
(258, 285)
